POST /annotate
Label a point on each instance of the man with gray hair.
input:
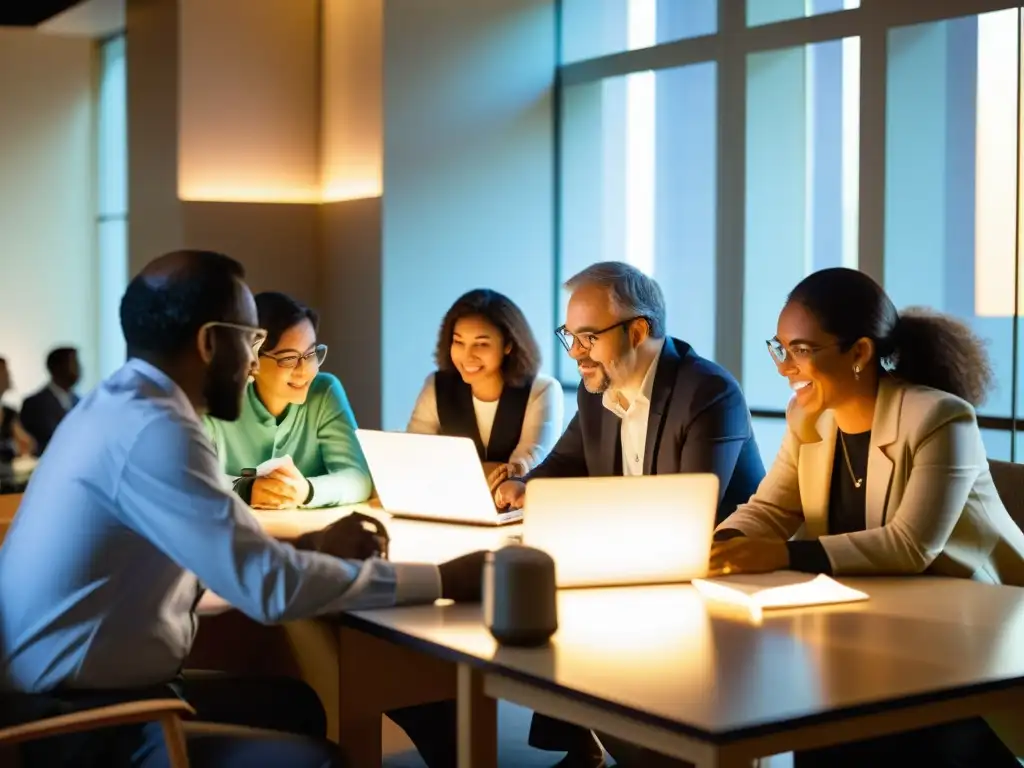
(647, 405)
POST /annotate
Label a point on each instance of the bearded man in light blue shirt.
(128, 519)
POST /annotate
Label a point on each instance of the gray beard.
(601, 386)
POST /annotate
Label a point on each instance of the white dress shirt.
(542, 423)
(633, 430)
(100, 572)
(63, 396)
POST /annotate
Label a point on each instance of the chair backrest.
(1009, 481)
(9, 503)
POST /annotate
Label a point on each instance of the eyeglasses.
(588, 339)
(317, 355)
(799, 352)
(257, 335)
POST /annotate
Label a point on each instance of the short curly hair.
(522, 362)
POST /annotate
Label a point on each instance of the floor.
(513, 752)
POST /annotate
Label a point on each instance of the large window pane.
(113, 130)
(802, 150)
(769, 434)
(951, 177)
(112, 189)
(638, 185)
(770, 11)
(997, 443)
(592, 28)
(113, 279)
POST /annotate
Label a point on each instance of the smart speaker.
(519, 596)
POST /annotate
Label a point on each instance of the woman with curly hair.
(488, 387)
(882, 471)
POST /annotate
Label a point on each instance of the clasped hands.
(283, 488)
(360, 537)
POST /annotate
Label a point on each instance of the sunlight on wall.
(996, 184)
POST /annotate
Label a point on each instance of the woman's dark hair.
(522, 363)
(918, 346)
(278, 312)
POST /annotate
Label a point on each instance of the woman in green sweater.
(296, 415)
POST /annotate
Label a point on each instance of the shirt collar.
(163, 382)
(63, 396)
(610, 399)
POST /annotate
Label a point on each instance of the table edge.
(727, 736)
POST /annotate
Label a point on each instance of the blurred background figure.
(43, 411)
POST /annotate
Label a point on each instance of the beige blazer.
(931, 503)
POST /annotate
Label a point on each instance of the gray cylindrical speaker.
(519, 596)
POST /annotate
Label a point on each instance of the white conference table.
(658, 666)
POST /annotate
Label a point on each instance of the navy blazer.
(699, 422)
(41, 413)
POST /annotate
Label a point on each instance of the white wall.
(467, 173)
(47, 204)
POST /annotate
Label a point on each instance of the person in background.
(648, 404)
(294, 412)
(14, 440)
(103, 568)
(43, 411)
(882, 471)
(488, 386)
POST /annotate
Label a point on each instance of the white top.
(634, 419)
(542, 423)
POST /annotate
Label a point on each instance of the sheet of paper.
(268, 466)
(783, 589)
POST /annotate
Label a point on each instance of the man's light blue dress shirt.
(124, 517)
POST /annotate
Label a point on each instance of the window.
(593, 28)
(112, 194)
(951, 185)
(732, 148)
(802, 150)
(771, 11)
(638, 185)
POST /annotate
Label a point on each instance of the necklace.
(857, 481)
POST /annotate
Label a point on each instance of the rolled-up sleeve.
(170, 493)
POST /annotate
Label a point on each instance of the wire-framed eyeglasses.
(587, 339)
(315, 356)
(256, 335)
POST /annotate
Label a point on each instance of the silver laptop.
(431, 477)
(619, 531)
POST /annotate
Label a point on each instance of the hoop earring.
(856, 372)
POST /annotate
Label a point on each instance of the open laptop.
(431, 477)
(620, 531)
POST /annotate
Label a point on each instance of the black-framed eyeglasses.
(588, 339)
(316, 356)
(798, 352)
(256, 335)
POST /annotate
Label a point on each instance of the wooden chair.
(167, 711)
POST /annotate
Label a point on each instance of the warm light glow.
(995, 173)
(228, 193)
(336, 192)
(362, 189)
(623, 530)
(351, 99)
